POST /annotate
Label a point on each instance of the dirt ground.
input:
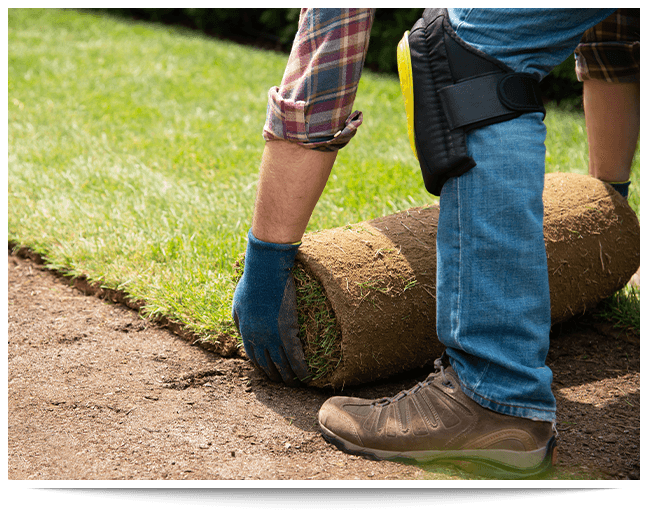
(95, 392)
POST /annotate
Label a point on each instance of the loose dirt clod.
(379, 276)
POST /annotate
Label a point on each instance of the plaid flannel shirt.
(610, 50)
(312, 106)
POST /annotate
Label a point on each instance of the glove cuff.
(269, 255)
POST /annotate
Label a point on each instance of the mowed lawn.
(133, 155)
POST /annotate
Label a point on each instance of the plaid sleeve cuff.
(287, 120)
(610, 50)
(313, 105)
(613, 62)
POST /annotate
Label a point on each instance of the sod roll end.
(592, 240)
(376, 280)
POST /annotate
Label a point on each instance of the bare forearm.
(291, 182)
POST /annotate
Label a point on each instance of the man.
(490, 401)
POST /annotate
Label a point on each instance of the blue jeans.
(493, 310)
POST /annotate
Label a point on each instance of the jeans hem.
(527, 412)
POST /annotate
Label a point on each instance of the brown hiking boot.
(436, 422)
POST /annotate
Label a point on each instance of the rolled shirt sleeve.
(313, 105)
(609, 51)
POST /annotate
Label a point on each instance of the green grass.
(622, 309)
(318, 330)
(133, 155)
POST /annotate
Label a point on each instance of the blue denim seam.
(459, 271)
(467, 15)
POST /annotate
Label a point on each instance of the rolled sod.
(366, 293)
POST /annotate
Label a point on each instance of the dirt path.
(94, 392)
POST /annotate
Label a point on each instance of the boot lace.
(438, 367)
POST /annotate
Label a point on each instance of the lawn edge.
(225, 345)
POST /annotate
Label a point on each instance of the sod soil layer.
(95, 392)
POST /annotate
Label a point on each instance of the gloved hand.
(265, 311)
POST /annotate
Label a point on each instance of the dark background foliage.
(275, 28)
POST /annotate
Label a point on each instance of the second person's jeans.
(493, 310)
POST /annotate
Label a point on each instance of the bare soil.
(96, 392)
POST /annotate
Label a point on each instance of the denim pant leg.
(493, 311)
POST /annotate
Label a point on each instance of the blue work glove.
(265, 311)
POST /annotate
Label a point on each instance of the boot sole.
(492, 463)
